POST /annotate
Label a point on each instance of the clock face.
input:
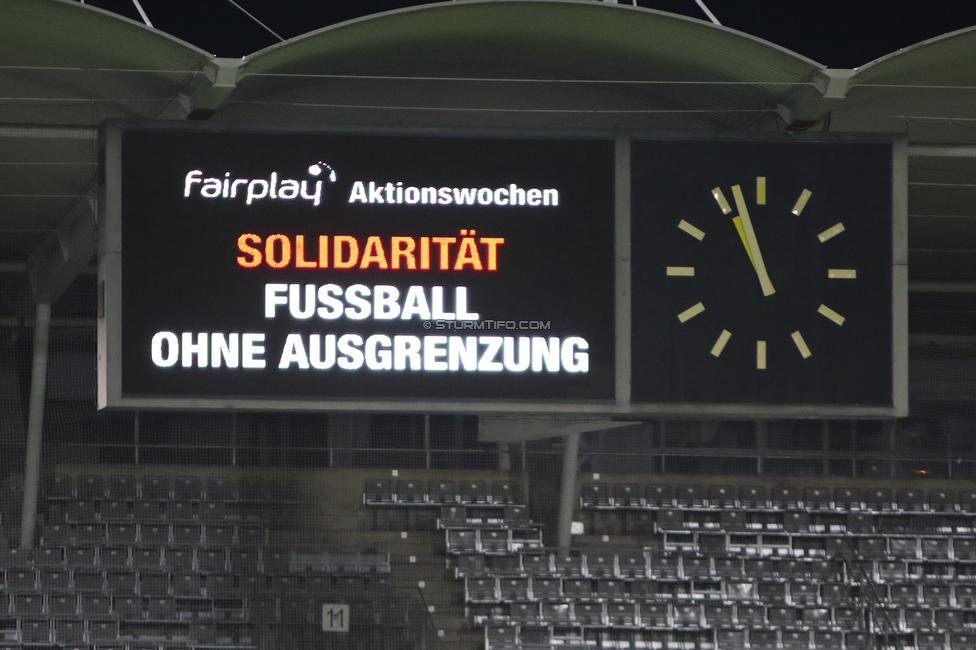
(762, 272)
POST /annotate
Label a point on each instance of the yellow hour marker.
(720, 199)
(686, 271)
(723, 338)
(760, 355)
(830, 314)
(833, 231)
(691, 230)
(801, 202)
(691, 312)
(760, 190)
(801, 345)
(842, 274)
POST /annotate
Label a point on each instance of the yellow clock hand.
(750, 242)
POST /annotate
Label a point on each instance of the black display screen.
(319, 265)
(811, 323)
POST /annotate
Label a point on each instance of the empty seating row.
(633, 495)
(91, 511)
(797, 593)
(91, 584)
(224, 533)
(60, 561)
(927, 546)
(186, 488)
(515, 637)
(462, 516)
(412, 492)
(493, 540)
(643, 564)
(664, 615)
(72, 634)
(799, 521)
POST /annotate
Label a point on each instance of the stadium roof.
(568, 64)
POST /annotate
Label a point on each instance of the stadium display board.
(602, 275)
(304, 269)
(764, 272)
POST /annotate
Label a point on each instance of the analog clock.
(762, 272)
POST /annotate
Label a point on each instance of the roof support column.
(35, 424)
(567, 491)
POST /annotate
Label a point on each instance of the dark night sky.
(837, 33)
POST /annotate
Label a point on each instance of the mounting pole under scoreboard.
(567, 491)
(35, 424)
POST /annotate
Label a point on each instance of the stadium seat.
(121, 582)
(962, 641)
(54, 579)
(935, 548)
(513, 589)
(474, 493)
(187, 488)
(88, 580)
(731, 639)
(189, 534)
(147, 511)
(764, 639)
(62, 604)
(721, 496)
(655, 614)
(816, 498)
(611, 590)
(658, 496)
(179, 511)
(154, 583)
(719, 614)
(600, 565)
(942, 501)
(27, 603)
(589, 614)
(631, 564)
(224, 489)
(967, 500)
(212, 510)
(524, 612)
(627, 495)
(96, 605)
(690, 496)
(35, 630)
(546, 588)
(568, 565)
(187, 584)
(785, 498)
(910, 500)
(578, 589)
(687, 615)
(514, 514)
(699, 566)
(60, 487)
(930, 641)
(595, 495)
(753, 498)
(122, 488)
(411, 492)
(177, 558)
(442, 493)
(113, 510)
(90, 487)
(847, 498)
(622, 614)
(155, 488)
(504, 493)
